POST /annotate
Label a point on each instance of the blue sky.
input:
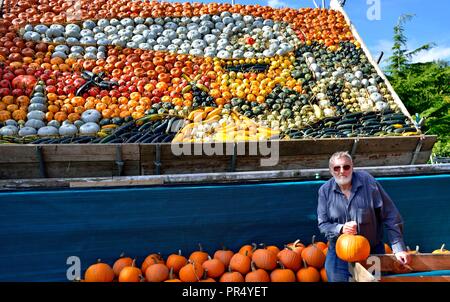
(430, 24)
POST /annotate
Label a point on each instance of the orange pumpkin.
(232, 277)
(290, 259)
(273, 248)
(313, 256)
(264, 259)
(240, 263)
(157, 273)
(308, 274)
(130, 273)
(247, 249)
(257, 275)
(323, 275)
(19, 114)
(296, 246)
(282, 275)
(150, 260)
(4, 115)
(99, 272)
(199, 256)
(352, 248)
(191, 272)
(214, 267)
(176, 262)
(121, 263)
(224, 256)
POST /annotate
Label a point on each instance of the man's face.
(342, 169)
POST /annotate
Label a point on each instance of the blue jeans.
(337, 269)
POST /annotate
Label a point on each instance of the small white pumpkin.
(9, 130)
(91, 115)
(27, 131)
(89, 128)
(68, 130)
(47, 131)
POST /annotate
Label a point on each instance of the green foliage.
(424, 88)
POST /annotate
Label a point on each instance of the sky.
(431, 23)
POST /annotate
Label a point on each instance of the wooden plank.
(419, 263)
(18, 154)
(200, 178)
(63, 152)
(415, 279)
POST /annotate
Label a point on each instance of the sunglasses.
(338, 168)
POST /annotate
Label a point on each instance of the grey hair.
(340, 154)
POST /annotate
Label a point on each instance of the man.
(353, 202)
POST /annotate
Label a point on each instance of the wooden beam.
(202, 178)
(419, 263)
(415, 279)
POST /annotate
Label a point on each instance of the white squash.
(91, 115)
(89, 128)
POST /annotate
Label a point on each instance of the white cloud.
(276, 3)
(436, 53)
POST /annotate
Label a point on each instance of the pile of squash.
(293, 263)
(301, 73)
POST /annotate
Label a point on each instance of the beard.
(343, 180)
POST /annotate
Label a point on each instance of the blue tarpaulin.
(40, 230)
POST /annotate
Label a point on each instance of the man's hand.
(403, 257)
(349, 228)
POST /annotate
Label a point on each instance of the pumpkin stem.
(304, 263)
(246, 253)
(254, 247)
(171, 273)
(263, 245)
(252, 265)
(313, 239)
(122, 255)
(195, 273)
(417, 248)
(141, 278)
(99, 260)
(200, 247)
(133, 264)
(229, 269)
(407, 248)
(179, 252)
(280, 264)
(209, 257)
(442, 247)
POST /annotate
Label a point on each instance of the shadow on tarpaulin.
(41, 229)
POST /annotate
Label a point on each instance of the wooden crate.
(419, 263)
(109, 160)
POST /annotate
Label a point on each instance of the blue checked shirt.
(369, 205)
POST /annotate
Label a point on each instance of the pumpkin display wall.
(266, 73)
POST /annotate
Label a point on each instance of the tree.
(401, 56)
(424, 88)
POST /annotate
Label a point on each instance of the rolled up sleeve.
(326, 227)
(391, 218)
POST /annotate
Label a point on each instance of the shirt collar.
(356, 183)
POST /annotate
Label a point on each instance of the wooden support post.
(354, 147)
(40, 158)
(233, 159)
(417, 150)
(157, 161)
(119, 160)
